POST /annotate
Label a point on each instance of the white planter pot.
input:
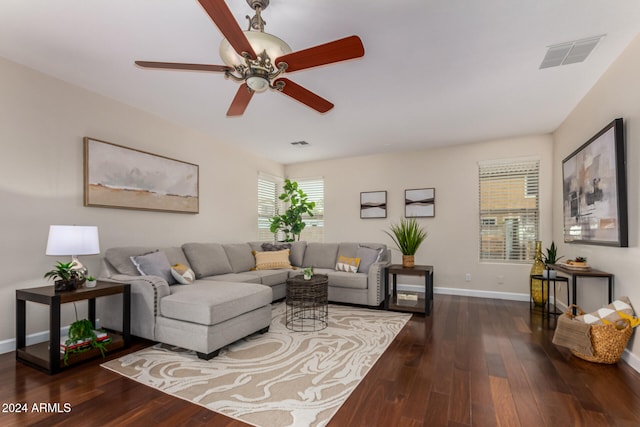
(549, 274)
(90, 283)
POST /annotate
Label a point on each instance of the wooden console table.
(575, 273)
(422, 305)
(46, 355)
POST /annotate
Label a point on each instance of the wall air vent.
(300, 144)
(570, 52)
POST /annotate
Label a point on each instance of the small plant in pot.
(408, 236)
(550, 257)
(68, 279)
(307, 273)
(82, 337)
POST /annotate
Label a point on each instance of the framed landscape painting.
(373, 204)
(420, 203)
(595, 190)
(119, 177)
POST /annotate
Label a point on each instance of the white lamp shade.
(73, 240)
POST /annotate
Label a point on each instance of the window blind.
(269, 189)
(509, 211)
(314, 189)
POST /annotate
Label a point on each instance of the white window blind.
(269, 189)
(314, 189)
(509, 212)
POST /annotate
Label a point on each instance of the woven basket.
(608, 341)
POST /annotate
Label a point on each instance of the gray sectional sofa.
(229, 298)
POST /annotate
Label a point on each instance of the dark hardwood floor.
(475, 362)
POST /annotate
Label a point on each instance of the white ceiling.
(434, 72)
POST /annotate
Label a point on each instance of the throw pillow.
(272, 260)
(620, 308)
(183, 274)
(275, 247)
(350, 265)
(367, 257)
(154, 264)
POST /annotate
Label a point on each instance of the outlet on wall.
(467, 277)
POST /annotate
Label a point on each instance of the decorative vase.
(90, 283)
(537, 286)
(408, 261)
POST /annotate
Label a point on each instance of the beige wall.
(617, 94)
(452, 244)
(42, 123)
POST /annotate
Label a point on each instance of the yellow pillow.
(183, 274)
(272, 260)
(350, 265)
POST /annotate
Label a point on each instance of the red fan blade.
(335, 51)
(305, 96)
(181, 66)
(226, 23)
(240, 101)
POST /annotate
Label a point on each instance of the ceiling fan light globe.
(260, 42)
(257, 84)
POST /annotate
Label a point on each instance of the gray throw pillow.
(154, 264)
(367, 257)
(275, 246)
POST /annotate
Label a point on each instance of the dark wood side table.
(307, 303)
(422, 305)
(46, 355)
(575, 273)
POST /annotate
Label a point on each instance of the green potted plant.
(82, 337)
(290, 223)
(408, 236)
(307, 273)
(68, 278)
(91, 282)
(550, 257)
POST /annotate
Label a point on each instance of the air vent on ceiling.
(300, 144)
(570, 52)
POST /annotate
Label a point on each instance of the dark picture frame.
(595, 190)
(116, 176)
(420, 203)
(373, 204)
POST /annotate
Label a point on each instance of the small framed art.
(419, 203)
(373, 204)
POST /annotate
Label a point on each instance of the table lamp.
(73, 240)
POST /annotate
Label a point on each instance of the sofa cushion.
(297, 253)
(367, 257)
(183, 274)
(341, 279)
(272, 260)
(232, 277)
(272, 277)
(207, 259)
(214, 302)
(240, 256)
(154, 264)
(321, 255)
(120, 258)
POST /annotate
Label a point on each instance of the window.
(508, 210)
(314, 189)
(269, 189)
(269, 204)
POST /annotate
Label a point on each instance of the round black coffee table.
(307, 303)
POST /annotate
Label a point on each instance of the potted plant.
(307, 273)
(550, 257)
(82, 337)
(408, 236)
(68, 278)
(290, 223)
(91, 282)
(579, 261)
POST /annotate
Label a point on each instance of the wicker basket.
(608, 341)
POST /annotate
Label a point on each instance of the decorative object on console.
(420, 203)
(550, 257)
(259, 59)
(537, 286)
(121, 177)
(290, 224)
(595, 190)
(408, 236)
(373, 204)
(91, 282)
(68, 278)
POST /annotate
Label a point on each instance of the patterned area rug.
(281, 378)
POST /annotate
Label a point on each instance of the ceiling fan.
(259, 59)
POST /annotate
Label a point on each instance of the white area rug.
(281, 378)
